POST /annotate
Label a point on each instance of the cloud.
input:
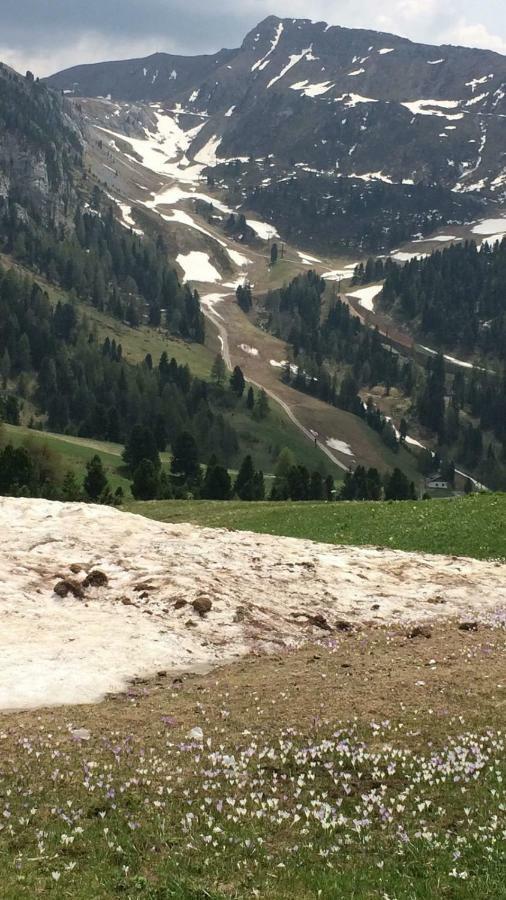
(47, 35)
(475, 34)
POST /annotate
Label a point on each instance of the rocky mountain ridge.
(336, 101)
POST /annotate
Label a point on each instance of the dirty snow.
(55, 650)
(178, 215)
(197, 267)
(457, 362)
(372, 176)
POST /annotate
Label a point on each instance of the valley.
(151, 169)
(252, 462)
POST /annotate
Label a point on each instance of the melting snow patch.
(311, 90)
(209, 301)
(404, 256)
(367, 295)
(274, 43)
(60, 650)
(251, 351)
(127, 221)
(197, 267)
(443, 238)
(307, 259)
(207, 155)
(293, 60)
(489, 226)
(340, 446)
(352, 100)
(433, 108)
(264, 231)
(238, 258)
(336, 274)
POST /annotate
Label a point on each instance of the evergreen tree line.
(295, 314)
(342, 213)
(50, 356)
(455, 298)
(107, 266)
(34, 470)
(466, 411)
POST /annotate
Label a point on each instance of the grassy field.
(330, 772)
(74, 452)
(471, 526)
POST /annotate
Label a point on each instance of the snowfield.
(197, 267)
(367, 295)
(259, 592)
(490, 226)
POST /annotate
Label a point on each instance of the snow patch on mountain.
(197, 266)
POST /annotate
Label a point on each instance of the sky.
(48, 35)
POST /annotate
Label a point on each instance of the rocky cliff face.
(40, 146)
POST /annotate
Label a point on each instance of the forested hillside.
(106, 265)
(456, 298)
(461, 416)
(335, 214)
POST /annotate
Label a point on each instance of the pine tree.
(141, 445)
(146, 481)
(249, 484)
(237, 382)
(218, 370)
(95, 482)
(70, 490)
(261, 410)
(185, 459)
(217, 484)
(250, 398)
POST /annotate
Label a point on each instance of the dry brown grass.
(368, 674)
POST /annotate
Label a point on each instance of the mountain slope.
(341, 101)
